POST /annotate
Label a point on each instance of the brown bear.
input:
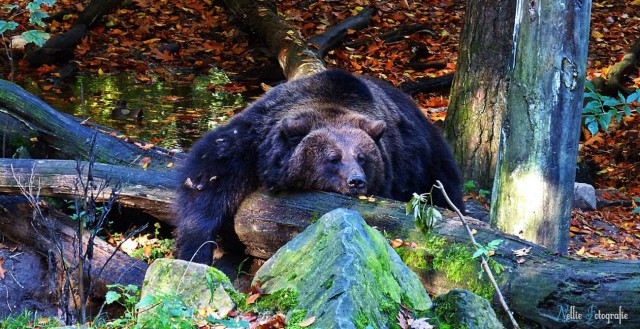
(332, 131)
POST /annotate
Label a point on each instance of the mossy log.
(71, 139)
(538, 290)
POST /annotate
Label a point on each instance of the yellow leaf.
(596, 34)
(100, 72)
(307, 322)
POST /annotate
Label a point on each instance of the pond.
(170, 112)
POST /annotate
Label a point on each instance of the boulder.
(346, 274)
(584, 196)
(464, 309)
(197, 285)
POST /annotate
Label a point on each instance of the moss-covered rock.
(346, 274)
(465, 310)
(196, 286)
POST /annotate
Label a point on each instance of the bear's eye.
(361, 158)
(334, 158)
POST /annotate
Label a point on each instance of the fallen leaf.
(307, 322)
(2, 270)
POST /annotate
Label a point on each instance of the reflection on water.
(171, 114)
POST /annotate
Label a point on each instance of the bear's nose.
(356, 181)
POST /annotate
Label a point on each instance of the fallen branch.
(60, 48)
(618, 74)
(537, 286)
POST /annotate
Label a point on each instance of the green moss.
(453, 259)
(294, 319)
(279, 301)
(361, 321)
(412, 257)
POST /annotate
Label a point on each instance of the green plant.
(34, 8)
(28, 320)
(600, 109)
(487, 250)
(424, 214)
(127, 296)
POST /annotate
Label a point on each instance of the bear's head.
(340, 155)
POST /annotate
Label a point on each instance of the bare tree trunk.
(282, 41)
(478, 95)
(533, 190)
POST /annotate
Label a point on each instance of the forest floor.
(141, 39)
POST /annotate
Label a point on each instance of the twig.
(485, 265)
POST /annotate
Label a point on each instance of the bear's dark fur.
(332, 131)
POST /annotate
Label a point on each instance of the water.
(175, 112)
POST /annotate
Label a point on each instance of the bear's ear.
(374, 128)
(295, 128)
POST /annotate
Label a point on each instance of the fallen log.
(148, 191)
(60, 48)
(282, 41)
(17, 224)
(71, 139)
(618, 74)
(538, 290)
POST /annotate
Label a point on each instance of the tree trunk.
(477, 99)
(60, 48)
(148, 191)
(536, 167)
(537, 290)
(71, 139)
(17, 224)
(282, 41)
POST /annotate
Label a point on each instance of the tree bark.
(266, 221)
(283, 42)
(17, 223)
(478, 95)
(148, 191)
(536, 290)
(60, 49)
(71, 139)
(536, 166)
(618, 74)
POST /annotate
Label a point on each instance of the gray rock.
(464, 309)
(198, 285)
(584, 196)
(345, 273)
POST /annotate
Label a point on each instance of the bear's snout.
(357, 181)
